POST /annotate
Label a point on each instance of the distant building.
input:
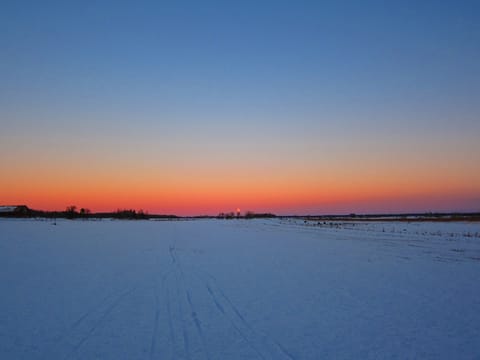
(14, 210)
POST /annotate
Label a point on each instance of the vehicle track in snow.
(181, 282)
(186, 339)
(155, 326)
(164, 289)
(176, 270)
(261, 344)
(99, 322)
(232, 322)
(171, 329)
(61, 338)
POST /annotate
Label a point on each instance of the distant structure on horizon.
(14, 209)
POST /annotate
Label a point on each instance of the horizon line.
(234, 214)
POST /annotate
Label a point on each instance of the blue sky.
(289, 77)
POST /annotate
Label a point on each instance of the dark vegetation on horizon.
(72, 212)
(247, 215)
(408, 217)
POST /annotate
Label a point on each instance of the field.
(239, 289)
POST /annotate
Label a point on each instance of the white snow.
(238, 289)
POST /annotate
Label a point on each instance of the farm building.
(17, 210)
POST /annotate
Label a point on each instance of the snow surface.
(238, 289)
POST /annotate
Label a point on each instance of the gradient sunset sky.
(197, 107)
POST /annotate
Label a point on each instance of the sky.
(201, 107)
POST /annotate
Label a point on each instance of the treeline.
(247, 215)
(414, 217)
(72, 212)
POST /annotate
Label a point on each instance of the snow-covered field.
(239, 289)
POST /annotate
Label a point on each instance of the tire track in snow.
(171, 329)
(237, 329)
(250, 335)
(186, 341)
(172, 250)
(99, 322)
(217, 304)
(74, 326)
(159, 285)
(197, 323)
(156, 317)
(153, 341)
(168, 307)
(176, 268)
(155, 327)
(193, 313)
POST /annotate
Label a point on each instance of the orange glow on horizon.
(198, 198)
(190, 189)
